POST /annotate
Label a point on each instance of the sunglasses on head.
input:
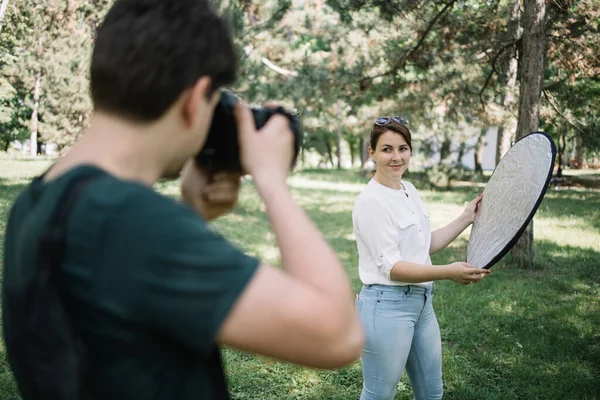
(383, 121)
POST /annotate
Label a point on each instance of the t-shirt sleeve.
(377, 230)
(183, 277)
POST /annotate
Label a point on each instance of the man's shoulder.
(138, 209)
(106, 202)
(114, 195)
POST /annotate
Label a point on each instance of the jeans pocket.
(391, 302)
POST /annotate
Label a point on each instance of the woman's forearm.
(442, 237)
(409, 272)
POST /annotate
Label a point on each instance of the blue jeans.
(401, 331)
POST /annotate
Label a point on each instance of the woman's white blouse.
(390, 227)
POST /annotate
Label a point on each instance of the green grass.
(582, 172)
(519, 334)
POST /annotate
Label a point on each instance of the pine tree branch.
(279, 70)
(493, 71)
(274, 17)
(557, 84)
(402, 60)
(561, 114)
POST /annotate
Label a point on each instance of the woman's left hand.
(471, 209)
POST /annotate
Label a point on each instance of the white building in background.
(49, 149)
(488, 158)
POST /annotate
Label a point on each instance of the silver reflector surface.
(511, 198)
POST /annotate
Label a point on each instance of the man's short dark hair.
(147, 52)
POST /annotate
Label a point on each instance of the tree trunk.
(338, 139)
(505, 139)
(352, 148)
(33, 147)
(3, 8)
(479, 146)
(364, 151)
(562, 147)
(364, 156)
(509, 79)
(329, 151)
(532, 75)
(461, 153)
(338, 147)
(445, 150)
(578, 153)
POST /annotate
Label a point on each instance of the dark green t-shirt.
(147, 283)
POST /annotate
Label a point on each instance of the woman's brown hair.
(393, 126)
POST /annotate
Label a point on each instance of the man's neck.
(123, 149)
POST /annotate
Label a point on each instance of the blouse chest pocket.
(407, 222)
(411, 227)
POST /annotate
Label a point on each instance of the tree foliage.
(444, 64)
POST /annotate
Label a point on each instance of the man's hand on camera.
(210, 194)
(265, 154)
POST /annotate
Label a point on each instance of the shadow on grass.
(565, 204)
(10, 185)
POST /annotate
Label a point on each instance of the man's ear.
(199, 95)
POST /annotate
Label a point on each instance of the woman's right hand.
(464, 273)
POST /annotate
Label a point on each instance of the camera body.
(221, 152)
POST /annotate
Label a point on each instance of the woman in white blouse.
(394, 240)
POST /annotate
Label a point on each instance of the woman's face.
(391, 156)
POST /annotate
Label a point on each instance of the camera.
(221, 151)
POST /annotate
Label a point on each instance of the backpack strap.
(68, 384)
(52, 243)
(217, 375)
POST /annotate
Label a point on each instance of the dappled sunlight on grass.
(169, 188)
(19, 171)
(304, 183)
(268, 254)
(442, 213)
(349, 236)
(574, 231)
(497, 307)
(332, 207)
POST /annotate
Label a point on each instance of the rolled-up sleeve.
(375, 228)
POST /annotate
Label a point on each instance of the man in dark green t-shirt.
(150, 289)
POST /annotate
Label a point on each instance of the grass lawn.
(519, 334)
